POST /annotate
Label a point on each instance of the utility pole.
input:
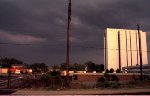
(68, 43)
(140, 52)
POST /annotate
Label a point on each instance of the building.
(16, 69)
(90, 79)
(122, 48)
(136, 69)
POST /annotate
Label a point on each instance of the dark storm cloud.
(44, 23)
(31, 15)
(118, 13)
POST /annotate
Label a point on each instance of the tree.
(118, 71)
(63, 66)
(114, 78)
(107, 71)
(90, 66)
(39, 67)
(99, 68)
(72, 67)
(111, 70)
(54, 67)
(7, 62)
(78, 67)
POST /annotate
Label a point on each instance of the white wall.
(112, 52)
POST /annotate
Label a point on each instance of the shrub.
(111, 70)
(54, 73)
(101, 79)
(107, 81)
(115, 85)
(107, 71)
(103, 85)
(107, 76)
(114, 78)
(118, 71)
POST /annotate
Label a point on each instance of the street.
(84, 92)
(14, 80)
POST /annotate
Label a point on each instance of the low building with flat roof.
(136, 69)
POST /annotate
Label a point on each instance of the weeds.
(108, 81)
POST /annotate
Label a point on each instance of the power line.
(72, 46)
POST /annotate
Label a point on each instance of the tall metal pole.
(140, 52)
(137, 48)
(105, 52)
(126, 48)
(68, 42)
(119, 50)
(131, 48)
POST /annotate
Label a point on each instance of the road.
(85, 92)
(14, 80)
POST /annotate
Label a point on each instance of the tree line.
(88, 66)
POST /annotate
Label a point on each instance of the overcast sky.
(35, 30)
